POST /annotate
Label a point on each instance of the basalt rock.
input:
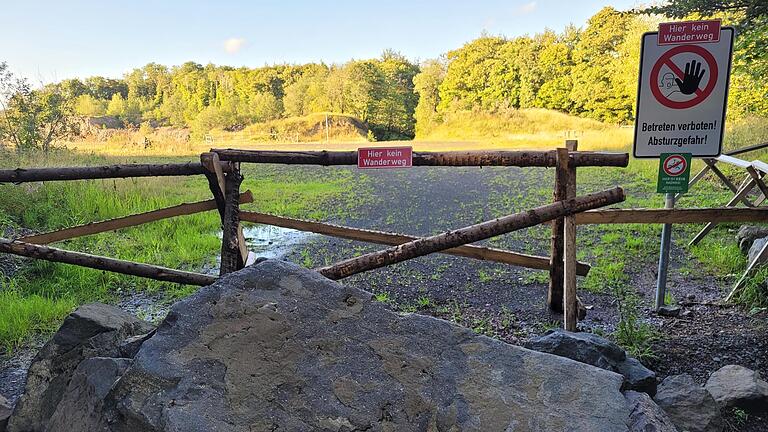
(93, 330)
(279, 347)
(597, 351)
(737, 386)
(748, 234)
(645, 415)
(689, 405)
(754, 251)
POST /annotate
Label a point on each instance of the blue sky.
(52, 40)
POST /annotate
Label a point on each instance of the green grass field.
(40, 294)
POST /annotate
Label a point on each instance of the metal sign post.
(666, 244)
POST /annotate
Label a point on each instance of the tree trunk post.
(555, 292)
(570, 300)
(232, 257)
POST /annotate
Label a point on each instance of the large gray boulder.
(645, 415)
(597, 351)
(689, 405)
(278, 347)
(93, 330)
(737, 386)
(747, 234)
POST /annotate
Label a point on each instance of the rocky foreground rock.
(737, 386)
(275, 347)
(689, 405)
(597, 351)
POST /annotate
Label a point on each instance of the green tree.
(427, 85)
(89, 106)
(595, 92)
(33, 119)
(116, 106)
(396, 103)
(482, 73)
(749, 11)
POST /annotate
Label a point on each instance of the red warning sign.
(682, 91)
(689, 32)
(385, 157)
(674, 165)
(687, 84)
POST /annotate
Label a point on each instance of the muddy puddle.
(273, 242)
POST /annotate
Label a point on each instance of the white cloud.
(526, 8)
(233, 45)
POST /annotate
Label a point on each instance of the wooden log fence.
(394, 239)
(673, 216)
(470, 234)
(222, 170)
(522, 158)
(22, 175)
(149, 271)
(128, 221)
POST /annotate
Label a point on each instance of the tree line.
(590, 72)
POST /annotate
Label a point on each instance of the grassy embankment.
(41, 293)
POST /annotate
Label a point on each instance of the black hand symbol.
(691, 79)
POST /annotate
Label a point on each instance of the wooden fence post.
(555, 292)
(226, 192)
(233, 252)
(570, 300)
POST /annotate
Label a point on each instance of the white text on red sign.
(385, 157)
(689, 32)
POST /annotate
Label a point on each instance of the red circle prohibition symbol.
(674, 165)
(666, 59)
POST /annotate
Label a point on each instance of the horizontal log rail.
(22, 175)
(746, 149)
(128, 221)
(673, 216)
(394, 239)
(470, 234)
(104, 263)
(523, 158)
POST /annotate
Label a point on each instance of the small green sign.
(674, 172)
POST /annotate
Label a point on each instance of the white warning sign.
(682, 91)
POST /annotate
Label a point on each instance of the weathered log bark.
(394, 239)
(673, 216)
(555, 291)
(454, 158)
(128, 221)
(570, 299)
(215, 177)
(103, 263)
(233, 249)
(21, 175)
(470, 234)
